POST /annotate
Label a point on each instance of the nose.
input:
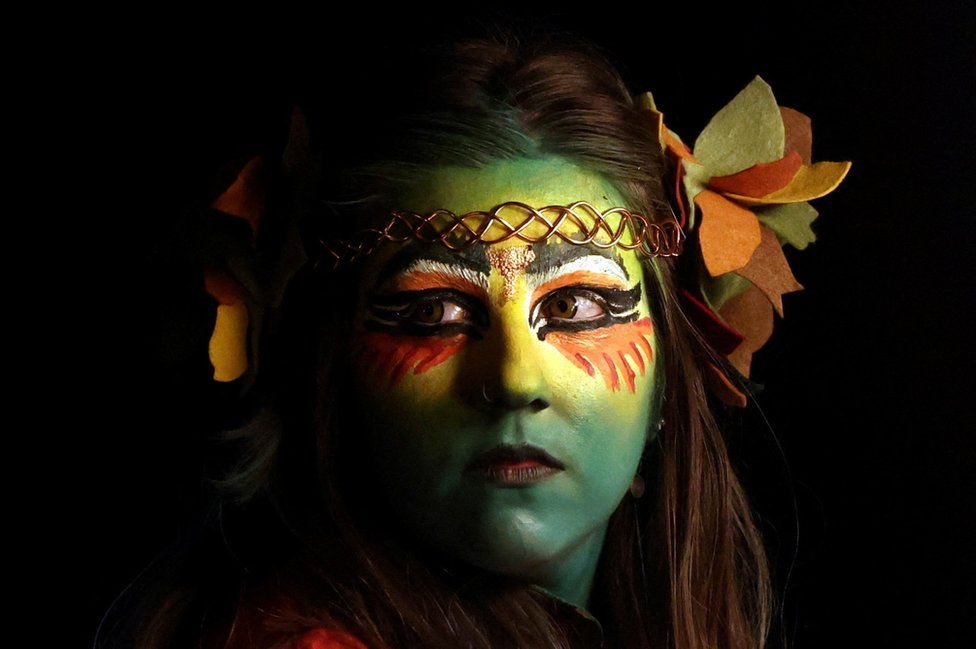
(519, 378)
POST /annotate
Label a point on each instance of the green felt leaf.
(746, 131)
(720, 289)
(645, 101)
(695, 179)
(790, 221)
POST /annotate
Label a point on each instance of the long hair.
(298, 536)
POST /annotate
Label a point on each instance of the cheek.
(385, 359)
(618, 354)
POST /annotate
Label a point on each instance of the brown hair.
(302, 540)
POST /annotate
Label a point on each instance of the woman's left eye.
(572, 306)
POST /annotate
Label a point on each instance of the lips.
(514, 454)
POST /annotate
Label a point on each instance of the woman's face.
(456, 353)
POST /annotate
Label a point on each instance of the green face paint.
(549, 344)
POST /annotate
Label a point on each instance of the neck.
(569, 576)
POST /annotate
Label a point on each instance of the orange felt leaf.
(679, 195)
(222, 287)
(760, 179)
(724, 388)
(799, 134)
(769, 271)
(728, 234)
(246, 197)
(751, 314)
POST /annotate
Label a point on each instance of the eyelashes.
(449, 312)
(442, 312)
(581, 308)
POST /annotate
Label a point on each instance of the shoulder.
(322, 638)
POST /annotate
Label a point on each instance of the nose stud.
(484, 392)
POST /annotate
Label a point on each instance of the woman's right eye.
(428, 312)
(436, 312)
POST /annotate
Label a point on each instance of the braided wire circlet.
(648, 238)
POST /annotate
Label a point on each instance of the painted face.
(550, 344)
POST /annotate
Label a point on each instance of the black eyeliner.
(615, 301)
(396, 307)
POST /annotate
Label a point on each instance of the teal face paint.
(550, 345)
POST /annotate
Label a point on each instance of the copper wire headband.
(634, 231)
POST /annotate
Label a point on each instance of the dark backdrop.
(867, 376)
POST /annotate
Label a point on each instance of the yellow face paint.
(549, 344)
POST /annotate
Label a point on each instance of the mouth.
(515, 465)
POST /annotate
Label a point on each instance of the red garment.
(328, 639)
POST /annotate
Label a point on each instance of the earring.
(637, 486)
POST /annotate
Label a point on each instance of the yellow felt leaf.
(228, 343)
(811, 181)
(728, 233)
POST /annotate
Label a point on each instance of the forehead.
(550, 180)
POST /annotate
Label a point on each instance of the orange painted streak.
(587, 277)
(387, 356)
(436, 357)
(421, 280)
(630, 338)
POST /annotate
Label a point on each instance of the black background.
(867, 377)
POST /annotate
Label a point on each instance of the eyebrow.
(550, 258)
(471, 259)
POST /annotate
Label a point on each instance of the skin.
(499, 320)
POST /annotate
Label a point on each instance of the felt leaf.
(724, 389)
(718, 290)
(747, 130)
(719, 335)
(695, 180)
(769, 271)
(246, 198)
(645, 101)
(799, 133)
(298, 166)
(759, 179)
(227, 348)
(790, 221)
(751, 315)
(811, 181)
(677, 147)
(728, 234)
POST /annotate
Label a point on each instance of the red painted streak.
(612, 373)
(624, 341)
(585, 364)
(385, 356)
(639, 357)
(628, 372)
